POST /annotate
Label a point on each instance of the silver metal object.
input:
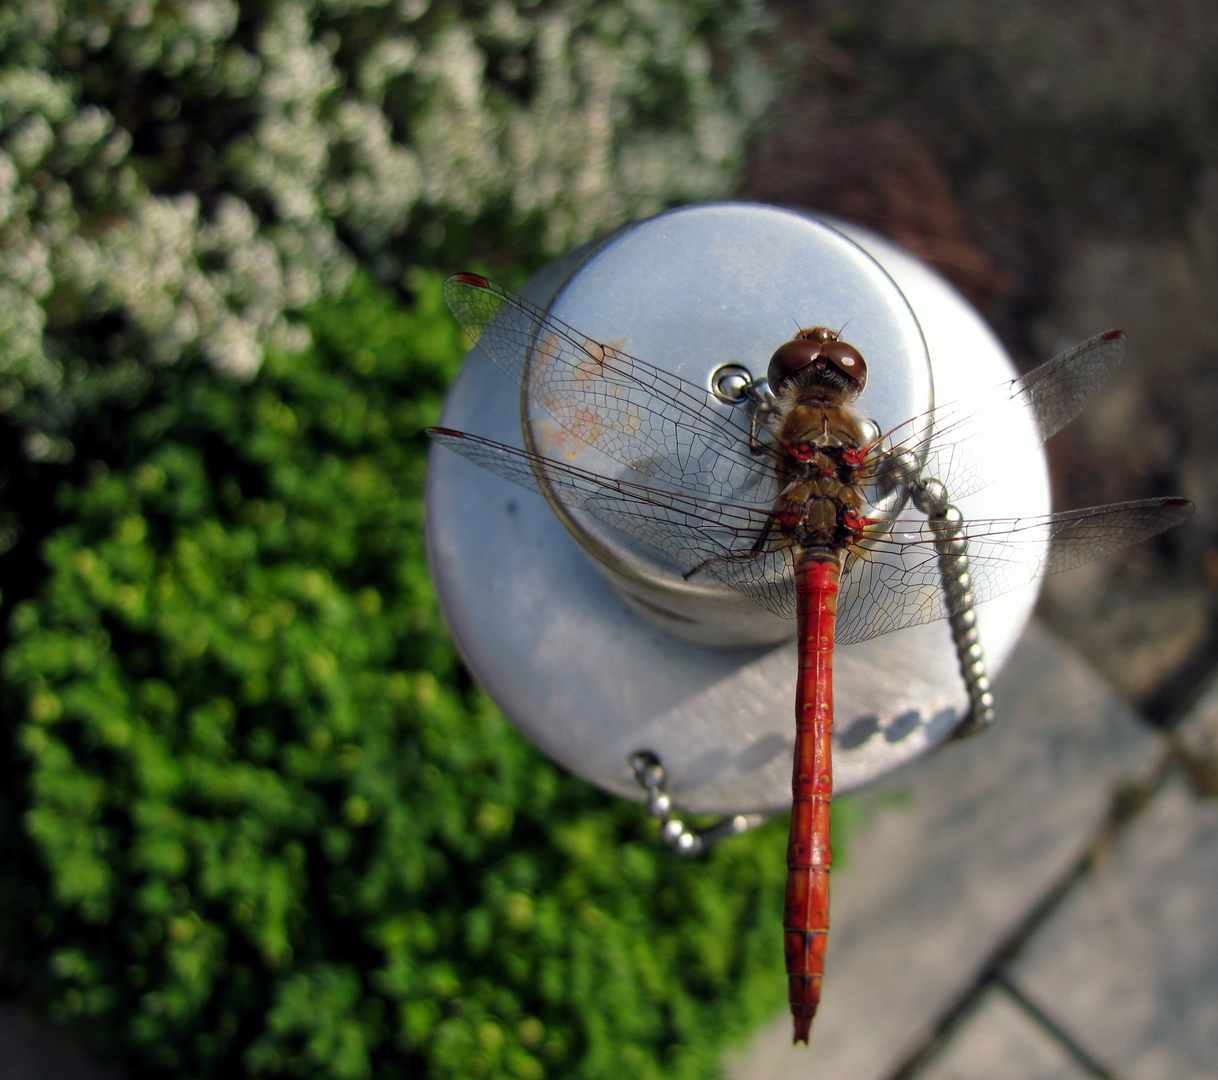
(695, 289)
(649, 771)
(952, 546)
(592, 652)
(733, 383)
(930, 496)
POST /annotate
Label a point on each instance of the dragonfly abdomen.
(809, 857)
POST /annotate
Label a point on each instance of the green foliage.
(271, 829)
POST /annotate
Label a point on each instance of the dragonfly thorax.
(822, 510)
(820, 436)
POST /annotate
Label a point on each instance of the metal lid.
(702, 287)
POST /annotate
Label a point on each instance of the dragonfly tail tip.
(803, 1024)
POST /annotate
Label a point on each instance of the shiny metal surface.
(705, 286)
(590, 676)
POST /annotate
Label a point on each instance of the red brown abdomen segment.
(806, 915)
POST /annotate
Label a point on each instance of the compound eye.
(790, 359)
(847, 359)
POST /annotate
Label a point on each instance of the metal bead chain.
(649, 772)
(947, 523)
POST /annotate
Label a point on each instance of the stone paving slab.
(1198, 735)
(1000, 1042)
(1129, 964)
(937, 879)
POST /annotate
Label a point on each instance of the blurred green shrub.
(177, 176)
(260, 823)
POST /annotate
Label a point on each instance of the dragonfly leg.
(756, 551)
(649, 772)
(763, 402)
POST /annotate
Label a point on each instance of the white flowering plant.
(177, 177)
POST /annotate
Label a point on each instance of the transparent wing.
(730, 541)
(675, 432)
(895, 583)
(720, 522)
(891, 583)
(953, 437)
(650, 420)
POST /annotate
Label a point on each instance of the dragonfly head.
(819, 358)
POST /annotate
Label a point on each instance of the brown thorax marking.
(820, 423)
(821, 503)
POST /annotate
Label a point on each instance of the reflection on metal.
(732, 383)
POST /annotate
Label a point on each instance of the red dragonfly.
(782, 501)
